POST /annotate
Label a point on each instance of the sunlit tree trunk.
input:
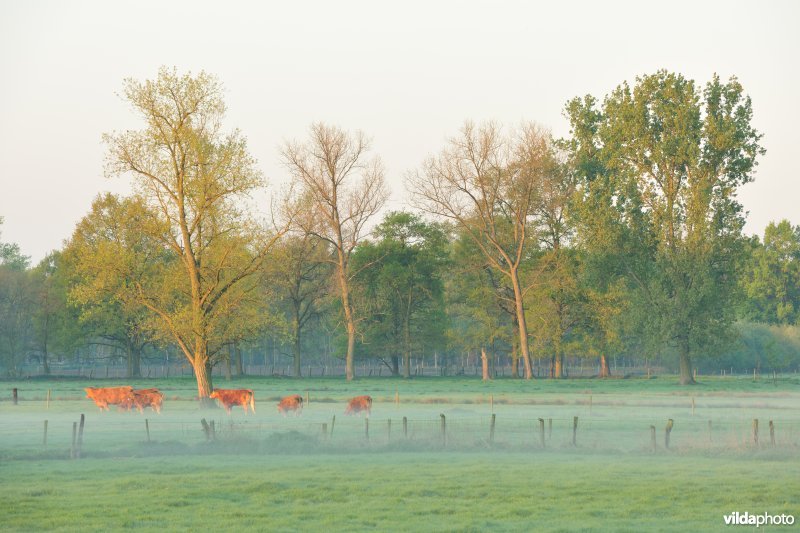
(686, 365)
(558, 361)
(604, 372)
(350, 322)
(521, 324)
(484, 365)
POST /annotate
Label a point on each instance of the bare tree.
(341, 190)
(487, 183)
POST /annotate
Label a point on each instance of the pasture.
(460, 472)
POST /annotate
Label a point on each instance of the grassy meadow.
(264, 472)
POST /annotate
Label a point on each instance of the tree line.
(623, 239)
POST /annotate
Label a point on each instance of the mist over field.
(269, 472)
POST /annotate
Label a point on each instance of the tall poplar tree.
(660, 164)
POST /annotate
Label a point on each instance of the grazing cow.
(103, 396)
(358, 404)
(291, 403)
(229, 397)
(147, 398)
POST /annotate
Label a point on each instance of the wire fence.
(130, 433)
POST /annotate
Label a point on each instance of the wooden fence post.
(549, 428)
(44, 442)
(47, 404)
(444, 430)
(575, 431)
(307, 399)
(653, 438)
(396, 397)
(74, 436)
(692, 405)
(14, 395)
(771, 433)
(491, 430)
(491, 403)
(405, 427)
(541, 430)
(213, 427)
(366, 428)
(147, 428)
(389, 430)
(755, 432)
(80, 436)
(333, 423)
(206, 428)
(667, 432)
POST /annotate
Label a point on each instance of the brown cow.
(358, 404)
(146, 398)
(291, 403)
(103, 396)
(229, 397)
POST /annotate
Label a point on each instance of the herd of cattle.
(127, 397)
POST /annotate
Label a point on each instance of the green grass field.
(265, 472)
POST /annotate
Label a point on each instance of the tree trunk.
(134, 360)
(45, 364)
(558, 366)
(484, 366)
(202, 373)
(395, 367)
(515, 356)
(238, 358)
(296, 349)
(604, 373)
(349, 319)
(351, 348)
(686, 366)
(406, 348)
(228, 364)
(521, 324)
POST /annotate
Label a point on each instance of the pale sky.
(407, 73)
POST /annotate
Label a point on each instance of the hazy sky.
(407, 73)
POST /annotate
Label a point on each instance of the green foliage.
(55, 328)
(660, 165)
(772, 276)
(480, 303)
(195, 179)
(111, 256)
(10, 255)
(762, 346)
(399, 279)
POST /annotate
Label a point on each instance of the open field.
(267, 472)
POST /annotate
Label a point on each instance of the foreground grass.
(393, 491)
